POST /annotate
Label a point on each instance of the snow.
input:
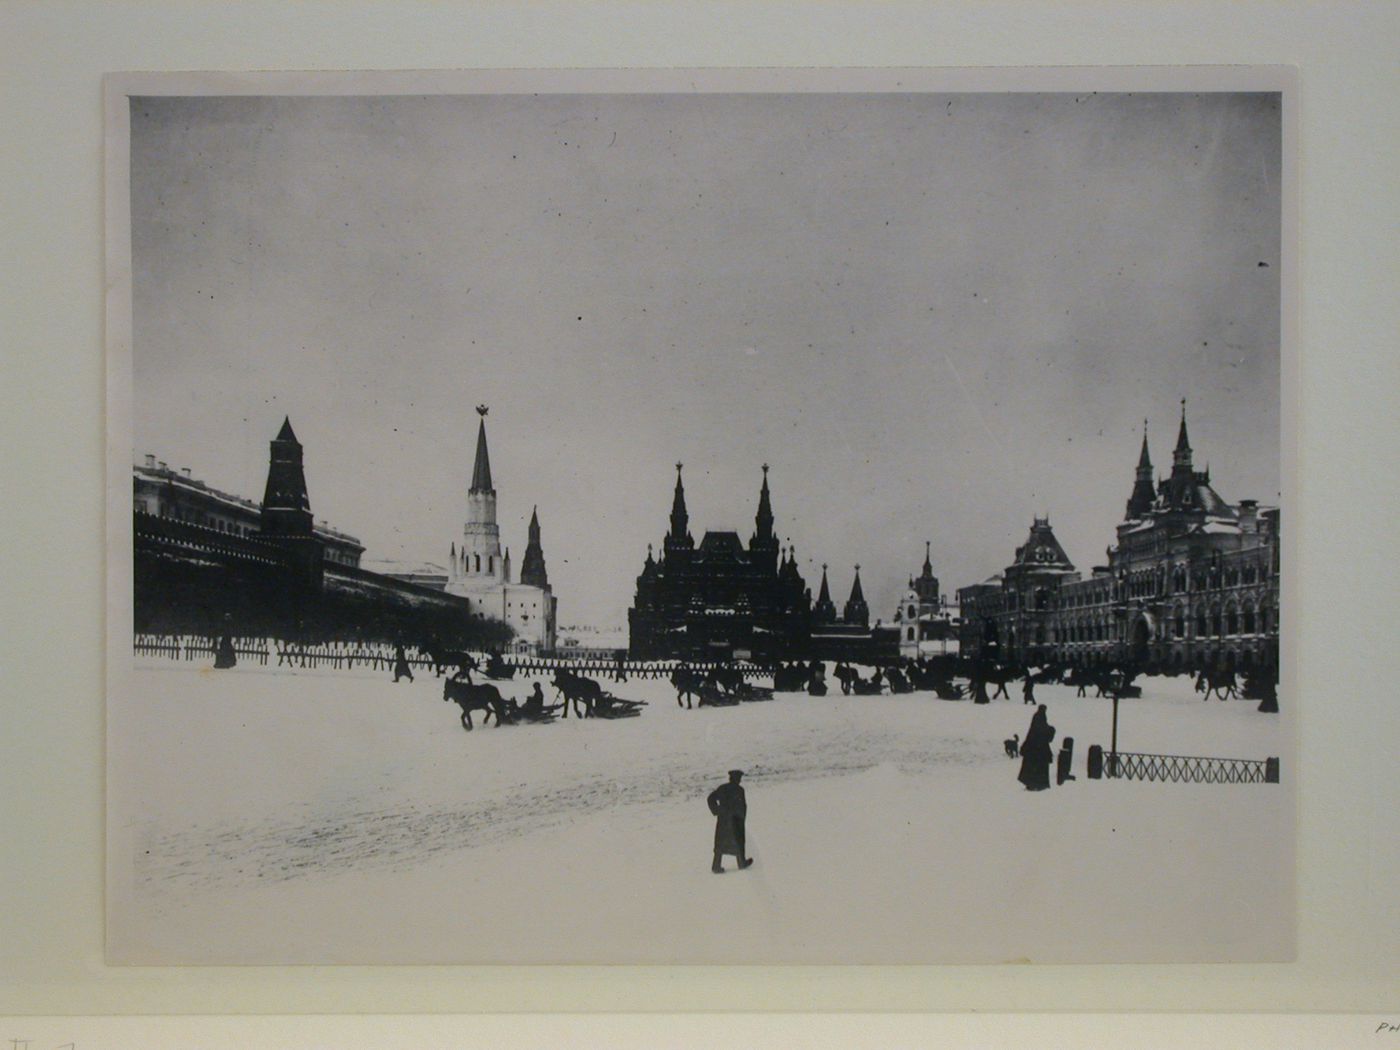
(261, 815)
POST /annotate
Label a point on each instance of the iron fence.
(1190, 769)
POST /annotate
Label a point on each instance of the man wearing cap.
(728, 805)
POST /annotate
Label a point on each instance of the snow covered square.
(314, 817)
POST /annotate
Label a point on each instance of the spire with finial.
(856, 611)
(764, 518)
(680, 519)
(825, 609)
(481, 469)
(1144, 493)
(1183, 444)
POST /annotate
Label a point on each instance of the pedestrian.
(730, 808)
(224, 657)
(1028, 690)
(1036, 752)
(401, 668)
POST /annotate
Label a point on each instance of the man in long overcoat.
(729, 806)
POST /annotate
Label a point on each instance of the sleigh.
(608, 706)
(712, 696)
(747, 693)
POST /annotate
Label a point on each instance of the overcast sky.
(934, 316)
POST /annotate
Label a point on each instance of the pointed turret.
(856, 611)
(764, 518)
(532, 570)
(286, 507)
(926, 584)
(825, 609)
(679, 539)
(1144, 493)
(1181, 455)
(481, 469)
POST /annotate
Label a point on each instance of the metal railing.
(1190, 769)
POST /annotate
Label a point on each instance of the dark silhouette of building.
(532, 570)
(206, 562)
(720, 599)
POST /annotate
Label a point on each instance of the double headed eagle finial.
(481, 410)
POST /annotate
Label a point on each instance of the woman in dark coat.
(1036, 753)
(224, 657)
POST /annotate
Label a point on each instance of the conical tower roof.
(481, 469)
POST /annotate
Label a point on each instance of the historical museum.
(721, 600)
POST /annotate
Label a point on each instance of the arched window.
(1249, 619)
(913, 612)
(1216, 621)
(1232, 620)
(910, 635)
(1179, 623)
(1200, 623)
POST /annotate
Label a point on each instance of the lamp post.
(1113, 742)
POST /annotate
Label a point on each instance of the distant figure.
(401, 668)
(224, 657)
(1028, 691)
(729, 806)
(1036, 753)
(620, 667)
(979, 690)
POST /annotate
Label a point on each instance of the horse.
(578, 690)
(1000, 676)
(847, 676)
(471, 697)
(730, 679)
(445, 658)
(687, 683)
(1213, 682)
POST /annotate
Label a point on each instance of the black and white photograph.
(725, 517)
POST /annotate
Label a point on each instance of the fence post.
(1095, 762)
(1271, 771)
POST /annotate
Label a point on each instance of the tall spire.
(856, 611)
(1144, 493)
(928, 559)
(680, 520)
(481, 470)
(1182, 453)
(825, 609)
(764, 518)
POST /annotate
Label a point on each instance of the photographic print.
(713, 517)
